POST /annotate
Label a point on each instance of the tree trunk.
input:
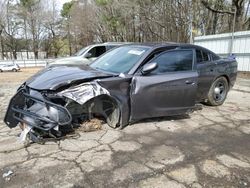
(215, 21)
(239, 6)
(36, 54)
(26, 39)
(238, 19)
(2, 45)
(69, 40)
(14, 54)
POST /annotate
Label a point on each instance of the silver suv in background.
(86, 55)
(9, 67)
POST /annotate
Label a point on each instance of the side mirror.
(88, 55)
(149, 68)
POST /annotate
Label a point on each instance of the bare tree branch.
(207, 5)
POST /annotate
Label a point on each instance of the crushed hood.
(52, 78)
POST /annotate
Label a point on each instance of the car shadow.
(161, 119)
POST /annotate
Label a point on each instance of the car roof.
(147, 44)
(169, 44)
(150, 44)
(165, 44)
(155, 45)
(116, 43)
(110, 44)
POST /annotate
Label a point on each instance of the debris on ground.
(25, 130)
(7, 175)
(91, 125)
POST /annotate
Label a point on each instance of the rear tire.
(1, 70)
(218, 92)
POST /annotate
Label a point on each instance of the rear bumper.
(37, 112)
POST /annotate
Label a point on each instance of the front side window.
(173, 61)
(82, 51)
(120, 60)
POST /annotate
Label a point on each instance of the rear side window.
(214, 57)
(205, 56)
(173, 61)
(201, 56)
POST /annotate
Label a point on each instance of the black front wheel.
(14, 70)
(218, 92)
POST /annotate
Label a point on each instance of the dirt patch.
(91, 125)
(18, 77)
(245, 75)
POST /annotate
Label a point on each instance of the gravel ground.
(209, 148)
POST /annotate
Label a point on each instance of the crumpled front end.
(38, 113)
(50, 113)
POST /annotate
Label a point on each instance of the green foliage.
(29, 3)
(112, 21)
(65, 49)
(65, 12)
(103, 2)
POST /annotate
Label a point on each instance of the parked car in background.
(9, 67)
(87, 54)
(127, 84)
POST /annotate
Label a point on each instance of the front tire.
(1, 70)
(14, 70)
(218, 92)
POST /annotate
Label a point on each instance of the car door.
(168, 90)
(206, 73)
(10, 67)
(7, 67)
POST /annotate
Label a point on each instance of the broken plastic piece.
(84, 92)
(7, 174)
(24, 133)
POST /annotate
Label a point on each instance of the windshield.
(119, 60)
(83, 50)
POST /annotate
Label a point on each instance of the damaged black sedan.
(127, 84)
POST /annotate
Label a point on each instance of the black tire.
(218, 92)
(1, 70)
(14, 70)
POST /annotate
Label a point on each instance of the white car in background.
(86, 55)
(9, 67)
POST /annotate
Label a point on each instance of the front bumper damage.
(37, 114)
(46, 114)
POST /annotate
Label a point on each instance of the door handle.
(189, 82)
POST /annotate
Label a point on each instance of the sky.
(58, 2)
